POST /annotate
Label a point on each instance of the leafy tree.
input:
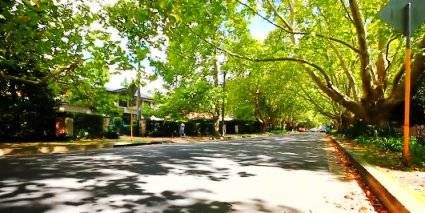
(48, 35)
(138, 24)
(26, 110)
(363, 74)
(369, 65)
(192, 68)
(273, 96)
(418, 102)
(48, 51)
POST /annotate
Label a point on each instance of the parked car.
(320, 129)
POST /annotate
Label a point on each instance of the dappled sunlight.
(263, 175)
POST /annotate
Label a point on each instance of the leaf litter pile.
(351, 173)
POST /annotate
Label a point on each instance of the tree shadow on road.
(157, 178)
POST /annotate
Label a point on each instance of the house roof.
(73, 108)
(123, 90)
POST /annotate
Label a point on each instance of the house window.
(122, 103)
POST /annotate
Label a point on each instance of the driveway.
(293, 173)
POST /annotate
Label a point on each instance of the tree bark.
(216, 113)
(223, 126)
(365, 69)
(138, 99)
(216, 126)
(418, 66)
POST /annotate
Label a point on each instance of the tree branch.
(418, 67)
(301, 33)
(395, 56)
(347, 72)
(48, 77)
(287, 25)
(337, 96)
(70, 68)
(387, 50)
(319, 108)
(365, 68)
(397, 77)
(298, 60)
(347, 13)
(14, 78)
(326, 87)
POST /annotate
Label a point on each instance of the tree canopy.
(321, 62)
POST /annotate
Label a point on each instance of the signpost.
(405, 16)
(131, 126)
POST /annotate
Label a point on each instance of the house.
(75, 121)
(79, 121)
(127, 103)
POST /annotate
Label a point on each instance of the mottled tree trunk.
(216, 126)
(216, 114)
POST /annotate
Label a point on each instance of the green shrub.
(390, 143)
(360, 129)
(395, 144)
(418, 152)
(111, 134)
(278, 131)
(88, 125)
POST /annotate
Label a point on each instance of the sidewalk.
(388, 179)
(37, 148)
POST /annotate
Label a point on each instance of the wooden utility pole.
(131, 126)
(223, 126)
(407, 86)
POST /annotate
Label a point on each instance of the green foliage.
(387, 143)
(310, 69)
(98, 99)
(88, 126)
(27, 112)
(395, 144)
(48, 51)
(278, 131)
(272, 94)
(117, 124)
(360, 129)
(199, 96)
(418, 102)
(417, 152)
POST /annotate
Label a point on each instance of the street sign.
(418, 14)
(395, 14)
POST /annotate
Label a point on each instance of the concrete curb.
(139, 144)
(389, 200)
(48, 149)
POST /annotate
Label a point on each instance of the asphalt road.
(294, 173)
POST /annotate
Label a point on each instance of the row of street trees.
(342, 49)
(321, 62)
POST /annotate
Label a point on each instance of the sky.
(259, 30)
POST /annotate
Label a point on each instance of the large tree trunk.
(257, 111)
(216, 114)
(223, 103)
(216, 126)
(379, 111)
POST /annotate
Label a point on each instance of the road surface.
(293, 173)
